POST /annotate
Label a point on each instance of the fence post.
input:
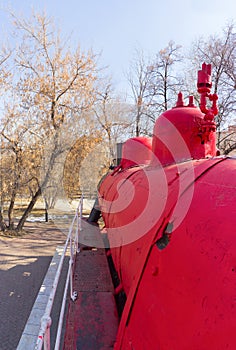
(46, 344)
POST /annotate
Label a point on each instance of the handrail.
(69, 276)
(43, 340)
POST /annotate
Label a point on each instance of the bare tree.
(52, 87)
(140, 78)
(20, 163)
(166, 82)
(5, 73)
(154, 83)
(113, 117)
(4, 77)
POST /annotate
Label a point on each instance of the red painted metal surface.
(184, 295)
(136, 151)
(92, 319)
(171, 228)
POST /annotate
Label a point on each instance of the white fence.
(36, 334)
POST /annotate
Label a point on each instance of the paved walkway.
(23, 264)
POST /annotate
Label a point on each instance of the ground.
(24, 261)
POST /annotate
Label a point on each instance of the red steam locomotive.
(170, 213)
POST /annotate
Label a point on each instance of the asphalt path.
(23, 264)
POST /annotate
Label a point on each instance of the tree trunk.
(46, 209)
(137, 130)
(10, 211)
(230, 149)
(3, 225)
(18, 153)
(28, 210)
(34, 199)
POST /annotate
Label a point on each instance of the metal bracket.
(74, 296)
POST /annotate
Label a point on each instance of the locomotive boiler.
(170, 213)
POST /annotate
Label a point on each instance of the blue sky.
(116, 28)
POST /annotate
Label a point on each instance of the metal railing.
(72, 243)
